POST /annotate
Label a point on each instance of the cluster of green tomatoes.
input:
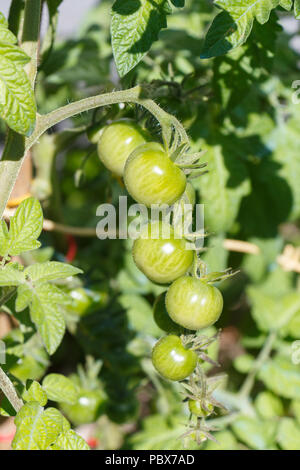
(190, 303)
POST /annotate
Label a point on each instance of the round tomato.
(89, 406)
(81, 301)
(172, 360)
(197, 410)
(162, 259)
(162, 318)
(116, 143)
(151, 177)
(85, 301)
(193, 303)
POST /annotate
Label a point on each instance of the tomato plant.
(189, 104)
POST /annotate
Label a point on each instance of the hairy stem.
(9, 391)
(12, 160)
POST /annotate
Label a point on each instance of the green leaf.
(51, 271)
(70, 440)
(256, 434)
(61, 389)
(226, 441)
(297, 9)
(286, 4)
(268, 405)
(45, 313)
(17, 101)
(4, 238)
(139, 313)
(10, 275)
(37, 429)
(232, 27)
(223, 187)
(272, 312)
(135, 25)
(35, 393)
(288, 434)
(5, 34)
(14, 53)
(281, 377)
(45, 301)
(25, 227)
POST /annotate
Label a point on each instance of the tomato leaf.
(50, 271)
(37, 429)
(232, 27)
(297, 9)
(59, 388)
(35, 393)
(69, 440)
(25, 227)
(135, 25)
(281, 377)
(17, 101)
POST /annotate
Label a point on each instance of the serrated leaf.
(35, 393)
(272, 312)
(37, 429)
(281, 377)
(24, 297)
(10, 275)
(51, 271)
(47, 316)
(5, 34)
(25, 227)
(256, 434)
(231, 28)
(297, 9)
(17, 100)
(288, 434)
(61, 389)
(223, 187)
(4, 238)
(134, 27)
(14, 53)
(286, 4)
(70, 440)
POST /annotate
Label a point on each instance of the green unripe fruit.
(117, 141)
(193, 304)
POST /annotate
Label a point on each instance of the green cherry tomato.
(117, 142)
(81, 301)
(151, 177)
(172, 360)
(162, 318)
(89, 406)
(197, 410)
(85, 301)
(161, 259)
(193, 303)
